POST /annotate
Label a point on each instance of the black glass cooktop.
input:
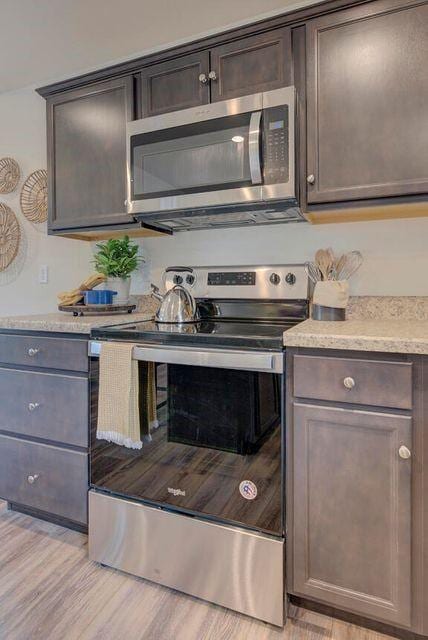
(219, 333)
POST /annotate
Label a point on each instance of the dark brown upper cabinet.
(257, 63)
(175, 84)
(87, 154)
(248, 65)
(367, 96)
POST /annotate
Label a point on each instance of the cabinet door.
(367, 96)
(175, 84)
(351, 511)
(87, 154)
(253, 64)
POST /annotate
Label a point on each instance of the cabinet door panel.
(48, 406)
(44, 477)
(352, 510)
(175, 84)
(367, 91)
(87, 154)
(250, 65)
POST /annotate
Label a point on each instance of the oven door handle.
(254, 155)
(217, 358)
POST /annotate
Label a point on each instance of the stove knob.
(190, 279)
(177, 279)
(274, 278)
(290, 278)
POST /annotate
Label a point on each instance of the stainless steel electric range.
(200, 508)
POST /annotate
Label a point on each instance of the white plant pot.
(122, 286)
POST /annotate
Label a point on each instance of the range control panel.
(227, 279)
(268, 282)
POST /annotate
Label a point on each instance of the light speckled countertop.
(67, 323)
(395, 336)
(63, 322)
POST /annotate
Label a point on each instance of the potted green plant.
(117, 259)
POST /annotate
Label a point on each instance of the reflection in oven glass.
(219, 433)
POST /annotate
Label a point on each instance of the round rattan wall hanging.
(34, 196)
(10, 235)
(9, 175)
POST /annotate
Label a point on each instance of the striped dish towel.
(118, 397)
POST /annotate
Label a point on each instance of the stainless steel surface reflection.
(224, 565)
(170, 327)
(177, 306)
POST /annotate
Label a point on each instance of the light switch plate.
(43, 274)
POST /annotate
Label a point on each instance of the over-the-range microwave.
(229, 163)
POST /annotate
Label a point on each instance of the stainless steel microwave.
(229, 163)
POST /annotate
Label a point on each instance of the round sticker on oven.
(248, 490)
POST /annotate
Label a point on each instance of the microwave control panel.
(276, 147)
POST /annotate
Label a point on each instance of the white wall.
(395, 251)
(23, 137)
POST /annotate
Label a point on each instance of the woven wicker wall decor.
(10, 235)
(9, 175)
(34, 196)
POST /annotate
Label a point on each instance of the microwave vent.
(277, 212)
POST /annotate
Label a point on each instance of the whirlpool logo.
(176, 492)
(248, 490)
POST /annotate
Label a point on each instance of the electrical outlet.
(43, 274)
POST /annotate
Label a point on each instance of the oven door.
(213, 433)
(204, 156)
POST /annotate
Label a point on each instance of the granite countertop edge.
(393, 336)
(58, 323)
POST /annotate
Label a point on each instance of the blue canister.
(99, 296)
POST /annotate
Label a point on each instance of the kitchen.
(344, 411)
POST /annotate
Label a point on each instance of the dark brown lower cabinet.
(44, 426)
(357, 485)
(352, 510)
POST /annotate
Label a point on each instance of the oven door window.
(202, 156)
(211, 446)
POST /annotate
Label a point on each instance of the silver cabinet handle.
(32, 479)
(33, 405)
(212, 75)
(404, 452)
(203, 78)
(349, 383)
(311, 179)
(33, 351)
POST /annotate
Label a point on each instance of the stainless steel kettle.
(178, 306)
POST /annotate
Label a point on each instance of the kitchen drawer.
(368, 382)
(44, 477)
(47, 405)
(52, 353)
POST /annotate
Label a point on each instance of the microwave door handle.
(254, 147)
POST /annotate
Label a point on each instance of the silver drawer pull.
(33, 351)
(349, 383)
(404, 452)
(33, 405)
(32, 479)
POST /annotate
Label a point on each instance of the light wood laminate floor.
(49, 590)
